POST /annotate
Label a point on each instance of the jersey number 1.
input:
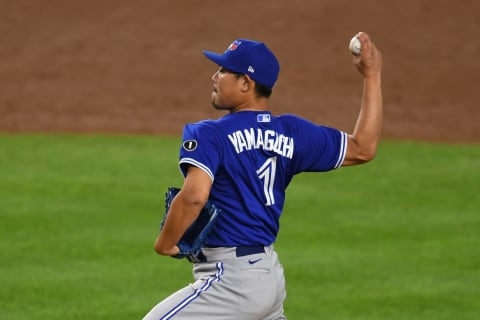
(267, 174)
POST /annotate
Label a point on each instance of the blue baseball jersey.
(251, 157)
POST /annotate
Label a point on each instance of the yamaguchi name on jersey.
(268, 140)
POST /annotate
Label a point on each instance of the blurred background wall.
(137, 67)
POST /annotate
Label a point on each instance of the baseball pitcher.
(225, 217)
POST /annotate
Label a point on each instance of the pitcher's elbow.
(370, 155)
(365, 156)
(160, 249)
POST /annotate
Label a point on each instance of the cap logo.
(250, 69)
(234, 45)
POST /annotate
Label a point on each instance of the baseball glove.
(194, 237)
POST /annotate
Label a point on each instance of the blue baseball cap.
(249, 57)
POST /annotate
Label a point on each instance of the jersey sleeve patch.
(190, 145)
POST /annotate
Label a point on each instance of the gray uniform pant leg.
(245, 288)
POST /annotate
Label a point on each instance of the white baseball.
(355, 45)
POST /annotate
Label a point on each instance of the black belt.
(240, 251)
(246, 251)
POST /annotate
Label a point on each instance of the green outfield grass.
(398, 238)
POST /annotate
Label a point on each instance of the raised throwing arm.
(363, 142)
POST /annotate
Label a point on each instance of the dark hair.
(260, 89)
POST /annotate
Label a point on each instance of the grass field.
(398, 238)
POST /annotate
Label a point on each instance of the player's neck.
(260, 104)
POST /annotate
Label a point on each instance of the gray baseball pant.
(227, 287)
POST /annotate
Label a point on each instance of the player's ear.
(248, 83)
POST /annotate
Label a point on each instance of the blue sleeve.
(200, 148)
(318, 148)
